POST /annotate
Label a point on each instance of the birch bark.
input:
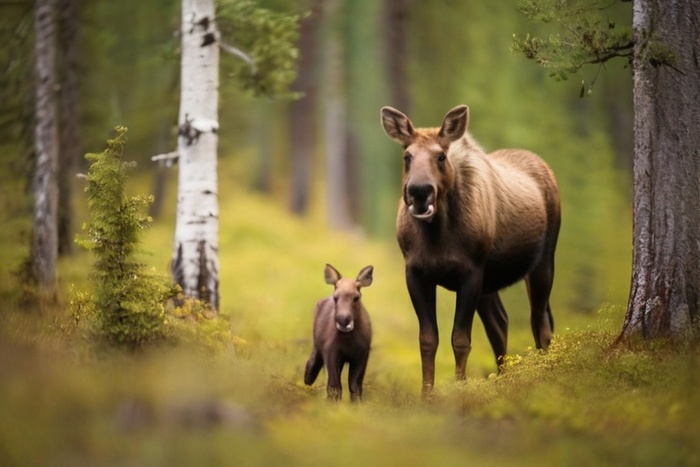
(195, 264)
(45, 188)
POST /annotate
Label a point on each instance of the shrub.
(127, 298)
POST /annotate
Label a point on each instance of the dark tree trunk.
(302, 115)
(336, 120)
(69, 150)
(396, 19)
(45, 190)
(665, 293)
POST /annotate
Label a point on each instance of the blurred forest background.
(286, 209)
(355, 56)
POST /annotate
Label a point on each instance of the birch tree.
(266, 58)
(195, 262)
(45, 188)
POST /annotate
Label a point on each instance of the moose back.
(472, 223)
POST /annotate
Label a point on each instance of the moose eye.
(441, 159)
(356, 298)
(407, 158)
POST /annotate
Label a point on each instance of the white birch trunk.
(195, 264)
(45, 188)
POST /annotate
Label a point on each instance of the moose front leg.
(334, 389)
(465, 306)
(356, 374)
(422, 292)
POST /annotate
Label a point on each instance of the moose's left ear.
(455, 123)
(365, 277)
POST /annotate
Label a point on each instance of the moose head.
(428, 172)
(346, 296)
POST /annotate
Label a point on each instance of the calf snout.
(344, 323)
(420, 199)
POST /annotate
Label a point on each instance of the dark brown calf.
(342, 334)
(473, 223)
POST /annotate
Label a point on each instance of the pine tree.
(128, 299)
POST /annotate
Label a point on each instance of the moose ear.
(364, 278)
(331, 274)
(397, 126)
(455, 124)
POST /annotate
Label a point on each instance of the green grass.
(65, 401)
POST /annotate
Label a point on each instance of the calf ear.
(455, 124)
(331, 274)
(397, 126)
(364, 278)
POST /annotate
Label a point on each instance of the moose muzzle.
(420, 199)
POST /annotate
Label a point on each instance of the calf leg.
(422, 293)
(356, 374)
(493, 315)
(313, 367)
(334, 389)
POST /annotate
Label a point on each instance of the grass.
(66, 401)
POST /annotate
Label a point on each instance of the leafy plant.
(128, 298)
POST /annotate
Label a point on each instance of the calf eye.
(407, 159)
(441, 159)
(356, 298)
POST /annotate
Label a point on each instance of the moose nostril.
(420, 192)
(344, 321)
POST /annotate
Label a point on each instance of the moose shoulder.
(473, 223)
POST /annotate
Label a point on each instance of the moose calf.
(342, 334)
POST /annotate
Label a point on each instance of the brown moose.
(342, 334)
(472, 223)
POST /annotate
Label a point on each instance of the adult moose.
(472, 223)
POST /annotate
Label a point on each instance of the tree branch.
(240, 54)
(167, 159)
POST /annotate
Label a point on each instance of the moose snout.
(420, 199)
(344, 323)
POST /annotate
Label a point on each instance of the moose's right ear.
(331, 274)
(397, 126)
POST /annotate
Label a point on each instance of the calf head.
(346, 296)
(428, 172)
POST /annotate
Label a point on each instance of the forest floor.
(233, 393)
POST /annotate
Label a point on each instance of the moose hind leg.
(313, 367)
(495, 319)
(539, 287)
